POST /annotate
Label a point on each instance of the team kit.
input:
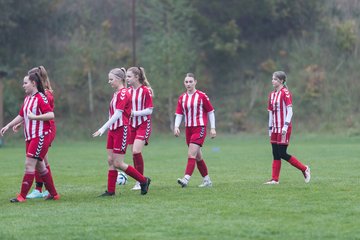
(129, 126)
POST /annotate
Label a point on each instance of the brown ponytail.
(139, 71)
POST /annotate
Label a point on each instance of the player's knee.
(285, 156)
(110, 161)
(120, 165)
(135, 152)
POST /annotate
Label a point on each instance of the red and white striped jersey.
(141, 98)
(50, 97)
(121, 101)
(195, 108)
(38, 104)
(278, 101)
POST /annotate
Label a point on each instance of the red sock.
(48, 168)
(138, 162)
(38, 181)
(112, 175)
(296, 163)
(201, 165)
(49, 182)
(132, 172)
(276, 166)
(28, 180)
(190, 166)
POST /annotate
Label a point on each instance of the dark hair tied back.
(141, 76)
(35, 77)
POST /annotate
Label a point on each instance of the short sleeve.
(21, 112)
(148, 98)
(207, 104)
(270, 107)
(121, 100)
(287, 98)
(179, 109)
(44, 105)
(50, 98)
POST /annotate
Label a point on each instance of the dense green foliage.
(232, 46)
(238, 206)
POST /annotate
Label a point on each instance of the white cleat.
(183, 182)
(307, 174)
(206, 183)
(35, 194)
(136, 186)
(271, 182)
(45, 194)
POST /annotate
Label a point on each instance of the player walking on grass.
(197, 109)
(280, 114)
(38, 190)
(117, 140)
(36, 114)
(140, 121)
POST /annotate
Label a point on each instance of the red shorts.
(117, 139)
(38, 147)
(141, 132)
(195, 135)
(278, 138)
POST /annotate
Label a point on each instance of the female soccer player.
(140, 121)
(197, 109)
(117, 140)
(36, 114)
(280, 114)
(37, 192)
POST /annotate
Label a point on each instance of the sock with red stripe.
(132, 172)
(138, 162)
(190, 166)
(296, 163)
(27, 181)
(201, 165)
(112, 176)
(276, 166)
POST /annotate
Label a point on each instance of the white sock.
(207, 178)
(187, 177)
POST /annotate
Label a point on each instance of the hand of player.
(212, 133)
(284, 130)
(16, 127)
(3, 130)
(97, 133)
(176, 131)
(30, 115)
(270, 131)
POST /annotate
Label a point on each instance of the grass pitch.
(238, 206)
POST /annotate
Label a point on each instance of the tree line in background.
(232, 46)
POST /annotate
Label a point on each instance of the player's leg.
(132, 172)
(295, 162)
(27, 181)
(111, 176)
(275, 138)
(112, 172)
(48, 181)
(190, 166)
(37, 191)
(201, 165)
(138, 159)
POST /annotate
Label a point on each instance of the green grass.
(238, 206)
